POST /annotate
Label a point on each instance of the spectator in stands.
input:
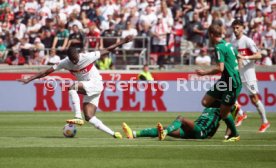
(18, 29)
(133, 17)
(15, 59)
(25, 47)
(61, 40)
(269, 37)
(91, 12)
(74, 21)
(76, 39)
(203, 58)
(39, 46)
(266, 58)
(74, 6)
(32, 28)
(148, 17)
(145, 75)
(187, 9)
(44, 10)
(31, 7)
(107, 9)
(52, 58)
(104, 63)
(48, 26)
(129, 31)
(120, 24)
(85, 22)
(2, 50)
(195, 31)
(35, 58)
(256, 34)
(93, 37)
(159, 40)
(47, 38)
(201, 6)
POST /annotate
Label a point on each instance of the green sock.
(175, 125)
(231, 125)
(148, 132)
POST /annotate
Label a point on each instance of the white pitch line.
(143, 146)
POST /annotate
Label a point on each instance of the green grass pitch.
(35, 140)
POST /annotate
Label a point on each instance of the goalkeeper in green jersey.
(204, 127)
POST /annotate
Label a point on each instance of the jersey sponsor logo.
(83, 70)
(245, 52)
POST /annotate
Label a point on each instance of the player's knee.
(204, 103)
(254, 99)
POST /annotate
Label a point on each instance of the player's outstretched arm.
(37, 76)
(218, 69)
(114, 46)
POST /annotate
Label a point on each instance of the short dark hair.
(72, 52)
(237, 22)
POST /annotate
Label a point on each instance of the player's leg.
(212, 98)
(130, 134)
(73, 93)
(176, 129)
(252, 90)
(260, 107)
(210, 101)
(89, 109)
(241, 115)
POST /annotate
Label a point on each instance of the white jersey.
(84, 70)
(246, 47)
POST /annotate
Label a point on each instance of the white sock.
(134, 134)
(99, 124)
(261, 110)
(240, 112)
(76, 103)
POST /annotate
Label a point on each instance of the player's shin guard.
(148, 132)
(261, 110)
(231, 125)
(76, 103)
(99, 124)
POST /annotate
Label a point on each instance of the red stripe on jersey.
(83, 70)
(245, 52)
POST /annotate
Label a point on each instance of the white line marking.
(126, 146)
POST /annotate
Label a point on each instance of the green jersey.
(208, 122)
(61, 35)
(225, 53)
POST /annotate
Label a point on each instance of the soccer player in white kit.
(248, 53)
(89, 83)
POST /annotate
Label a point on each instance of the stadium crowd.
(28, 27)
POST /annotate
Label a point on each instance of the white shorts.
(251, 87)
(93, 90)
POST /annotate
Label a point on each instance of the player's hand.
(200, 72)
(24, 81)
(128, 38)
(240, 56)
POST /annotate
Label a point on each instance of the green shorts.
(228, 96)
(196, 133)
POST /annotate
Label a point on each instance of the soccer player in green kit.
(204, 127)
(226, 90)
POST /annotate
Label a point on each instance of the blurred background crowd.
(38, 32)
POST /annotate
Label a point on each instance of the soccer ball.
(69, 130)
